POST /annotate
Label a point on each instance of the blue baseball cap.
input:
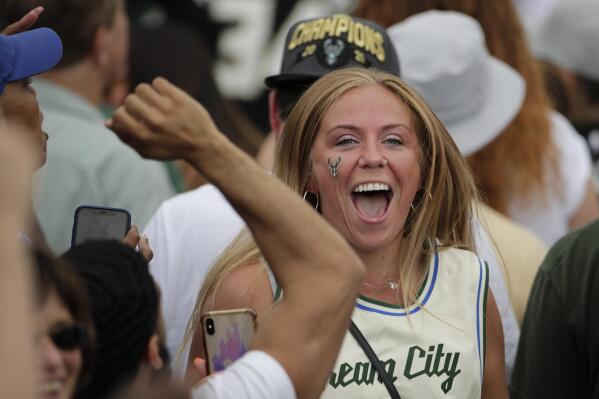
(26, 54)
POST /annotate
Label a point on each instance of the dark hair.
(556, 89)
(75, 21)
(52, 275)
(176, 53)
(590, 88)
(288, 96)
(125, 310)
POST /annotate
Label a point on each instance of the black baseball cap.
(316, 46)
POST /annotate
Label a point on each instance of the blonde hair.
(442, 209)
(513, 166)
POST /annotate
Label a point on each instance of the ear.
(153, 353)
(101, 45)
(276, 124)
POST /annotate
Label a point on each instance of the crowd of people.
(421, 221)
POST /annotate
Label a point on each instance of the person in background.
(125, 308)
(538, 171)
(87, 165)
(22, 56)
(567, 40)
(558, 355)
(320, 285)
(63, 330)
(177, 54)
(475, 95)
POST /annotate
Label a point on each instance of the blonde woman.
(538, 171)
(379, 166)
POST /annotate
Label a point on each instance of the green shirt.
(558, 355)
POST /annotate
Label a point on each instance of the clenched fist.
(161, 121)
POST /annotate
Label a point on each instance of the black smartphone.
(99, 223)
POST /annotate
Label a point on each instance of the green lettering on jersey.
(420, 363)
(363, 373)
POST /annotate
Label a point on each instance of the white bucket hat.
(443, 56)
(569, 37)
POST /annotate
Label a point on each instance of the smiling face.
(20, 107)
(379, 173)
(58, 368)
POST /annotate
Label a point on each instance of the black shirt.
(558, 354)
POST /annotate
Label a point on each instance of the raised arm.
(16, 339)
(317, 269)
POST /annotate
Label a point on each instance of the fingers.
(142, 243)
(168, 89)
(142, 111)
(200, 366)
(144, 248)
(132, 237)
(129, 129)
(148, 94)
(24, 23)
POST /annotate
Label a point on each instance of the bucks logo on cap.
(317, 46)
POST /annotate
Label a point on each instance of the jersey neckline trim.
(375, 306)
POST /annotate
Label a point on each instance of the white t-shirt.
(257, 375)
(190, 230)
(550, 220)
(187, 234)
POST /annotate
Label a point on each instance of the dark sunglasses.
(69, 337)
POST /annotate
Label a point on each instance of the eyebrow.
(349, 127)
(355, 128)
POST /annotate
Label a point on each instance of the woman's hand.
(161, 121)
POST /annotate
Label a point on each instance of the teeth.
(371, 187)
(50, 386)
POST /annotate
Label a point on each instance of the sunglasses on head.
(68, 337)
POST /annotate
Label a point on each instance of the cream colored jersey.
(434, 351)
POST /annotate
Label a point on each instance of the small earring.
(334, 166)
(317, 198)
(412, 206)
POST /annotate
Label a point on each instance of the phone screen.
(227, 336)
(93, 223)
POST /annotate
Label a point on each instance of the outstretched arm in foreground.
(315, 266)
(16, 340)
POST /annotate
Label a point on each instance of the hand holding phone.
(100, 223)
(227, 336)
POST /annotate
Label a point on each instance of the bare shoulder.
(245, 286)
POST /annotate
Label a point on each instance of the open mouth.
(371, 200)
